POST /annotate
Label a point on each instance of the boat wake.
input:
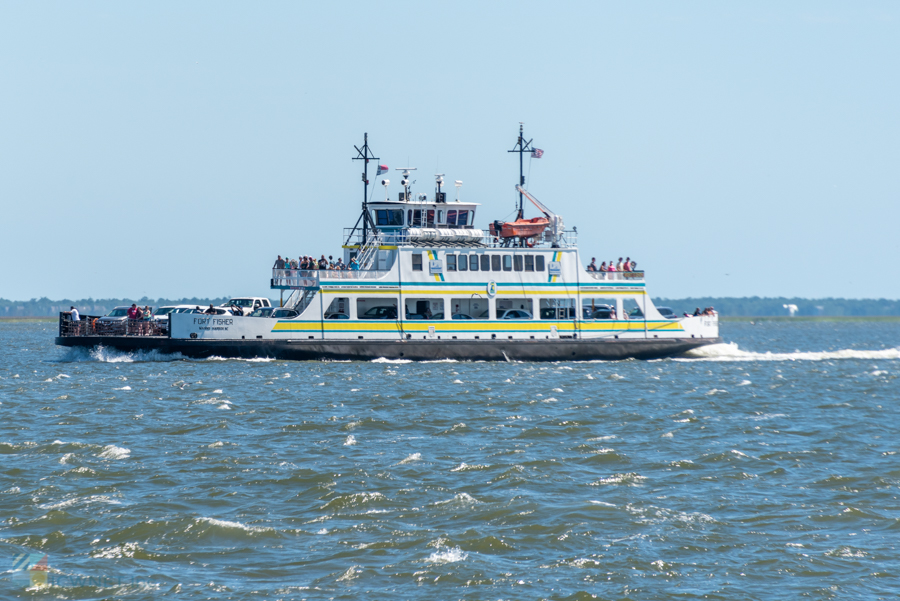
(103, 354)
(731, 352)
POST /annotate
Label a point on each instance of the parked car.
(602, 312)
(666, 312)
(460, 316)
(247, 304)
(515, 314)
(284, 314)
(262, 312)
(380, 313)
(117, 314)
(337, 316)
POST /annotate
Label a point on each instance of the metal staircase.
(299, 299)
(366, 255)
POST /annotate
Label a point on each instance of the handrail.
(615, 275)
(91, 325)
(568, 239)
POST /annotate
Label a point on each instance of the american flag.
(381, 169)
(537, 153)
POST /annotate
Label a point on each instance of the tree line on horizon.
(737, 307)
(755, 306)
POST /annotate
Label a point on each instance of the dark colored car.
(284, 314)
(263, 312)
(380, 313)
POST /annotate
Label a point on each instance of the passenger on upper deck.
(592, 266)
(354, 266)
(603, 267)
(323, 263)
(134, 313)
(627, 264)
(279, 263)
(612, 267)
(619, 265)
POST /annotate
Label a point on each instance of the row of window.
(468, 308)
(476, 262)
(424, 217)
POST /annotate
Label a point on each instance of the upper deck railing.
(311, 278)
(305, 278)
(630, 276)
(353, 237)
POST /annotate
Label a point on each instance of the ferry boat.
(432, 286)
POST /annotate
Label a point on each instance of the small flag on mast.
(381, 169)
(537, 153)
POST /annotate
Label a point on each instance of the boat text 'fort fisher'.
(426, 284)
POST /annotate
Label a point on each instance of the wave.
(731, 352)
(103, 354)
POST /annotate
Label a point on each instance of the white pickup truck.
(247, 304)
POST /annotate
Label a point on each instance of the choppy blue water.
(764, 469)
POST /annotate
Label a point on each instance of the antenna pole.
(521, 147)
(365, 154)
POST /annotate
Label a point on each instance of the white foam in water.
(227, 524)
(123, 388)
(114, 452)
(447, 556)
(411, 458)
(386, 360)
(351, 440)
(104, 354)
(731, 352)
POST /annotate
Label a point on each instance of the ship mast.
(521, 147)
(365, 154)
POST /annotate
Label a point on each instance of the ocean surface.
(766, 468)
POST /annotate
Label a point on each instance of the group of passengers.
(708, 311)
(627, 265)
(308, 263)
(139, 319)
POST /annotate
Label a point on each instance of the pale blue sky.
(173, 149)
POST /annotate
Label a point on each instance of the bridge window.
(539, 263)
(429, 218)
(529, 262)
(414, 218)
(462, 218)
(417, 262)
(464, 262)
(486, 263)
(451, 217)
(495, 262)
(507, 263)
(389, 217)
(517, 262)
(473, 262)
(451, 262)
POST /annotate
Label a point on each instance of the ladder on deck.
(366, 255)
(303, 298)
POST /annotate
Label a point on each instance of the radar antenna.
(405, 181)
